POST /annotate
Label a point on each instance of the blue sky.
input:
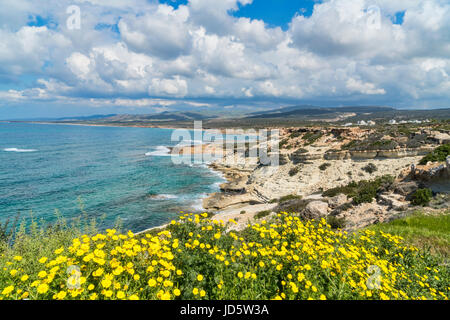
(145, 56)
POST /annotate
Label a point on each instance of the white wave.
(191, 142)
(163, 197)
(19, 150)
(197, 205)
(160, 151)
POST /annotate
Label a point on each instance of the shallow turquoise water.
(117, 172)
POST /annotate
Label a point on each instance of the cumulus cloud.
(347, 51)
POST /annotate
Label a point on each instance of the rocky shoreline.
(252, 188)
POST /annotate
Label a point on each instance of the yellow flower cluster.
(196, 258)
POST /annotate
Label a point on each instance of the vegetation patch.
(370, 168)
(262, 214)
(364, 191)
(427, 232)
(294, 171)
(312, 137)
(197, 259)
(422, 197)
(324, 166)
(335, 222)
(437, 155)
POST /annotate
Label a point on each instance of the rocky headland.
(313, 160)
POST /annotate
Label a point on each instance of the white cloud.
(168, 87)
(363, 87)
(341, 53)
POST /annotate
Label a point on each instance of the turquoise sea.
(114, 172)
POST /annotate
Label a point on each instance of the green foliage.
(373, 142)
(289, 198)
(437, 155)
(363, 191)
(7, 232)
(422, 197)
(294, 171)
(262, 214)
(335, 222)
(294, 135)
(424, 231)
(312, 137)
(200, 260)
(301, 151)
(370, 168)
(283, 143)
(324, 166)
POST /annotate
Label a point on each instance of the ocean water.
(114, 172)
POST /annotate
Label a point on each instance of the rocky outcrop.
(337, 155)
(403, 153)
(316, 210)
(365, 155)
(218, 201)
(337, 201)
(405, 188)
(432, 171)
(393, 201)
(304, 157)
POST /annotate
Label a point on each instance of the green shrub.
(422, 197)
(294, 171)
(437, 155)
(289, 197)
(312, 137)
(262, 214)
(370, 168)
(363, 191)
(336, 223)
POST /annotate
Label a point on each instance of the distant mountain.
(85, 118)
(158, 117)
(306, 111)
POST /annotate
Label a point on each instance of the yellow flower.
(43, 260)
(61, 295)
(240, 274)
(151, 282)
(120, 295)
(176, 292)
(133, 297)
(17, 258)
(195, 291)
(323, 297)
(42, 288)
(42, 274)
(199, 277)
(24, 278)
(106, 283)
(107, 293)
(8, 290)
(202, 293)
